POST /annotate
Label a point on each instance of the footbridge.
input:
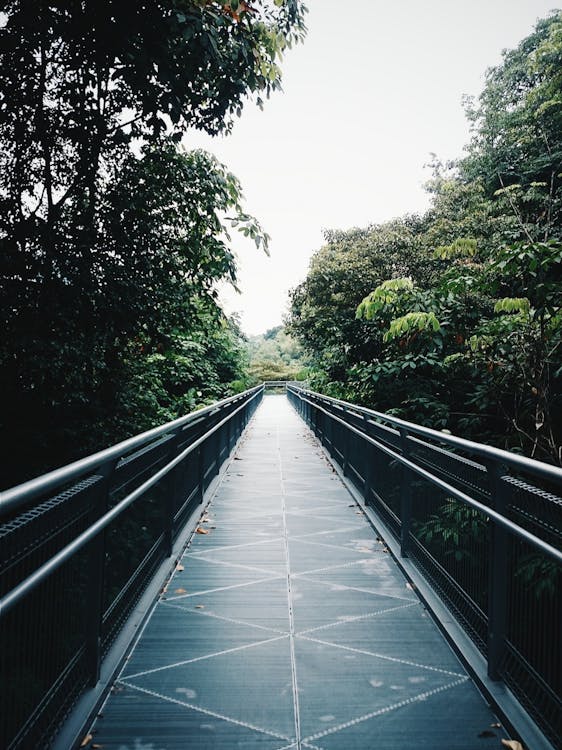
(284, 570)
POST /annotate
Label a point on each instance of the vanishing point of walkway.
(288, 625)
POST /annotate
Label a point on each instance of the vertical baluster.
(497, 575)
(346, 442)
(172, 489)
(405, 498)
(368, 465)
(96, 584)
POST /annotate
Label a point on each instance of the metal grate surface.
(288, 625)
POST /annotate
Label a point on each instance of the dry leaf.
(513, 744)
(497, 725)
(199, 606)
(87, 739)
(180, 591)
(201, 531)
(95, 746)
(180, 568)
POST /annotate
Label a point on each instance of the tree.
(458, 324)
(341, 273)
(275, 355)
(516, 149)
(97, 262)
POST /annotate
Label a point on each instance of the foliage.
(384, 294)
(344, 271)
(457, 528)
(112, 239)
(275, 355)
(454, 319)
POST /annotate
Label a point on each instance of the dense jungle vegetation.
(275, 355)
(113, 237)
(453, 319)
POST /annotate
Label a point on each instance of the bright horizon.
(367, 99)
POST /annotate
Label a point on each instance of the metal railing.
(277, 386)
(484, 527)
(80, 545)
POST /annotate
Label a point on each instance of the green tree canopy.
(111, 238)
(454, 319)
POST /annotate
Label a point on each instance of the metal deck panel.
(290, 626)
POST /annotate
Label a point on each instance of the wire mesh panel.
(532, 665)
(78, 549)
(473, 519)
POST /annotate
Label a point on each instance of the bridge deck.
(288, 625)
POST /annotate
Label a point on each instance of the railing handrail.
(16, 497)
(499, 518)
(33, 580)
(531, 465)
(502, 579)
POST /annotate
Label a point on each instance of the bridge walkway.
(289, 625)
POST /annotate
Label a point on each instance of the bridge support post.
(218, 445)
(201, 471)
(405, 498)
(346, 441)
(96, 583)
(228, 427)
(497, 576)
(368, 474)
(172, 490)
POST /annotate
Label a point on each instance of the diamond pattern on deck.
(290, 626)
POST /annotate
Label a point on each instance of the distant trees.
(454, 319)
(275, 355)
(111, 238)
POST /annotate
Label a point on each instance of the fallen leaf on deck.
(202, 531)
(87, 739)
(180, 568)
(180, 591)
(497, 725)
(95, 746)
(199, 606)
(513, 744)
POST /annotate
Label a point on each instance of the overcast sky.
(376, 87)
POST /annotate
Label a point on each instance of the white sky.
(375, 88)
